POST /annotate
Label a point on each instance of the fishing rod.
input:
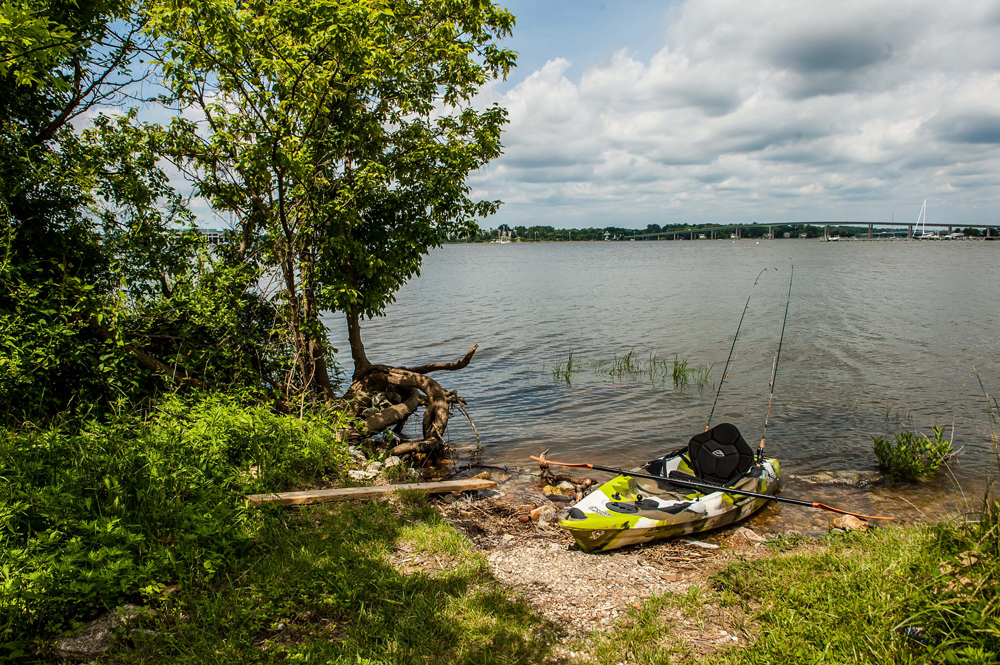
(774, 367)
(674, 480)
(725, 371)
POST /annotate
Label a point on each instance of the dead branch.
(461, 404)
(414, 447)
(451, 367)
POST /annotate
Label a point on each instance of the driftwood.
(348, 493)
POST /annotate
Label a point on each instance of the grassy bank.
(147, 508)
(100, 513)
(846, 599)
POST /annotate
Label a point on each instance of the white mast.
(923, 216)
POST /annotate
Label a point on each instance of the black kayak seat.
(721, 455)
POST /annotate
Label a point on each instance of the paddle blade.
(816, 504)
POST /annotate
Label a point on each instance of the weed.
(680, 373)
(564, 371)
(911, 455)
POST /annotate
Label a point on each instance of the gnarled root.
(415, 389)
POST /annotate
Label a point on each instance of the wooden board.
(347, 493)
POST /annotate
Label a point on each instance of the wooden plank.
(348, 493)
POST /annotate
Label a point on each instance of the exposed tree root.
(414, 389)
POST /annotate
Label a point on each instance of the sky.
(722, 111)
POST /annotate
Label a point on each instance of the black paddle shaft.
(701, 486)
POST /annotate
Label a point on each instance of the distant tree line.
(667, 231)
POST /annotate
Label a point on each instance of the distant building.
(212, 236)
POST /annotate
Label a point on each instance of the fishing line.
(674, 479)
(725, 371)
(774, 367)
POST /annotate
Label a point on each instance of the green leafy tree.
(101, 270)
(336, 137)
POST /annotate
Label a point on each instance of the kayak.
(627, 510)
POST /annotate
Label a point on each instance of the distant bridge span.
(772, 225)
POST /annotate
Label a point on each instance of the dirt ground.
(582, 592)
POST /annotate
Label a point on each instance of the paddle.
(709, 486)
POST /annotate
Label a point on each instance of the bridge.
(715, 231)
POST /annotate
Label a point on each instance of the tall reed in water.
(564, 371)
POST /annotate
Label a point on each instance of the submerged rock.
(563, 490)
(745, 535)
(849, 523)
(841, 478)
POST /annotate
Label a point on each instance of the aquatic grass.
(680, 373)
(564, 371)
(702, 376)
(630, 366)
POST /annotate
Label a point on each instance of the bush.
(910, 455)
(95, 517)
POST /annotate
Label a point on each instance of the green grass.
(839, 603)
(848, 598)
(149, 509)
(325, 590)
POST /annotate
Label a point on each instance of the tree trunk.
(361, 362)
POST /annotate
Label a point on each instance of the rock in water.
(849, 523)
(749, 535)
(96, 637)
(485, 475)
(563, 490)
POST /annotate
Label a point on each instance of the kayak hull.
(626, 511)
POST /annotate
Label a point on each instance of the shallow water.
(872, 327)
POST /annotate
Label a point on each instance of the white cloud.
(764, 111)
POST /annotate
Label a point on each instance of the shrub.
(911, 455)
(95, 517)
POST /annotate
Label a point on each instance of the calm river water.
(873, 327)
